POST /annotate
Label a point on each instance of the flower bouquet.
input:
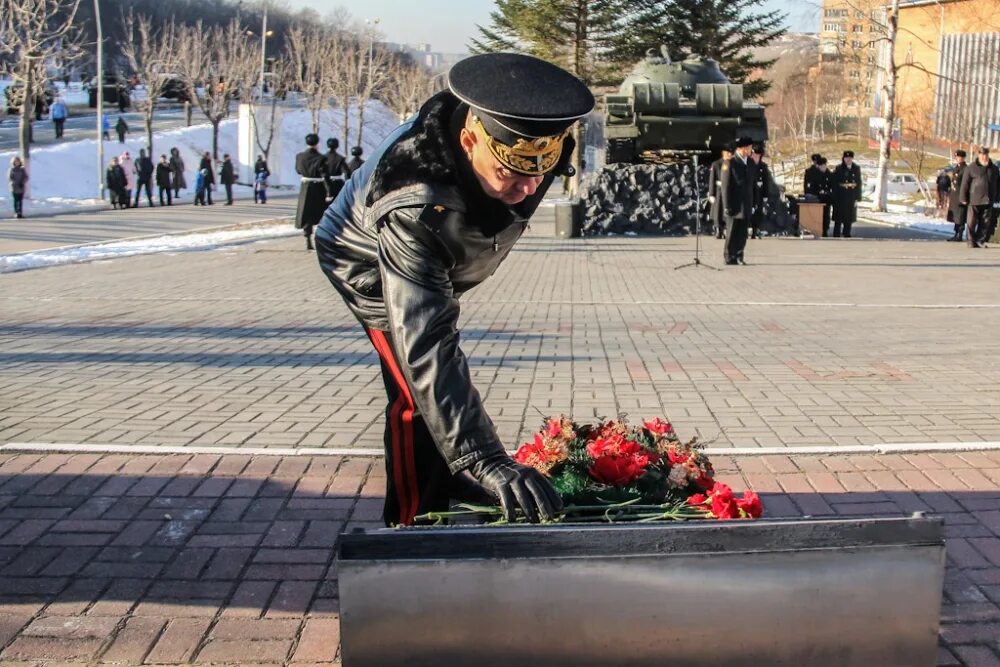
(612, 471)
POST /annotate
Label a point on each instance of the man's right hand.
(516, 485)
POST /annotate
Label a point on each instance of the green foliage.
(575, 34)
(724, 30)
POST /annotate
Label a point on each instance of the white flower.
(677, 479)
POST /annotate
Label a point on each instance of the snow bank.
(65, 176)
(145, 246)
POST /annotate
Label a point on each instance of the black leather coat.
(411, 231)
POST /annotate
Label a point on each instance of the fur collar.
(423, 154)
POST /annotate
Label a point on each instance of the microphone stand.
(697, 225)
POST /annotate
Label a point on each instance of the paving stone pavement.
(817, 342)
(205, 559)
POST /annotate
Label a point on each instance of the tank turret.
(677, 107)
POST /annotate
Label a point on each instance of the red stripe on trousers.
(404, 467)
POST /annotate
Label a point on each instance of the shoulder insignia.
(434, 215)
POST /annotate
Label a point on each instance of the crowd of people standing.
(971, 193)
(126, 179)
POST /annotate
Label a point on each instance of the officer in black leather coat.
(715, 211)
(429, 216)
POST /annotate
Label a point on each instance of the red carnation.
(677, 458)
(658, 427)
(618, 470)
(553, 427)
(750, 504)
(723, 503)
(613, 445)
(697, 499)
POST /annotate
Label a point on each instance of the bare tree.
(313, 54)
(32, 33)
(373, 74)
(152, 55)
(217, 65)
(266, 111)
(408, 85)
(351, 58)
(888, 121)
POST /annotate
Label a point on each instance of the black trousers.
(736, 241)
(163, 190)
(841, 227)
(18, 198)
(59, 123)
(979, 223)
(417, 478)
(229, 193)
(138, 192)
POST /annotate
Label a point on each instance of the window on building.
(858, 14)
(857, 27)
(855, 44)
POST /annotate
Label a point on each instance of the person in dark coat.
(203, 166)
(117, 184)
(17, 180)
(763, 187)
(163, 180)
(261, 172)
(121, 127)
(846, 195)
(314, 195)
(715, 212)
(958, 212)
(178, 181)
(737, 199)
(942, 185)
(980, 191)
(336, 168)
(810, 173)
(817, 182)
(356, 160)
(433, 214)
(227, 176)
(144, 177)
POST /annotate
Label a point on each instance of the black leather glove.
(516, 486)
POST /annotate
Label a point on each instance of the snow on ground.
(65, 177)
(145, 246)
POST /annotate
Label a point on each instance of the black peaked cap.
(517, 96)
(744, 141)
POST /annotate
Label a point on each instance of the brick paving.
(205, 559)
(823, 342)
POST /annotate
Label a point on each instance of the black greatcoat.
(846, 191)
(737, 192)
(311, 164)
(957, 212)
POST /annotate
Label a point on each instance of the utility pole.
(100, 100)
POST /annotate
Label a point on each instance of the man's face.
(497, 181)
(821, 166)
(744, 151)
(727, 155)
(959, 159)
(848, 161)
(983, 158)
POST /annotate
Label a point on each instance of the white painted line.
(831, 450)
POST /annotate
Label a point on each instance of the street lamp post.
(263, 53)
(100, 100)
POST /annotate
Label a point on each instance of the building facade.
(849, 47)
(948, 83)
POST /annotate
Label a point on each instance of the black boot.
(309, 243)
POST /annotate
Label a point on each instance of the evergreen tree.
(575, 34)
(724, 30)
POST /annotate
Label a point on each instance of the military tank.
(663, 127)
(666, 108)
